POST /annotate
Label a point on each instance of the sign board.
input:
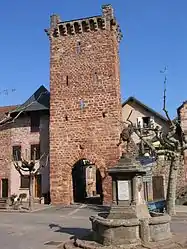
(147, 161)
(147, 178)
(123, 191)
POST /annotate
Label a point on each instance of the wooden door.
(38, 186)
(4, 184)
(158, 188)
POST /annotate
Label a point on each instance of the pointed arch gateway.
(87, 182)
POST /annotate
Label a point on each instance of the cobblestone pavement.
(45, 229)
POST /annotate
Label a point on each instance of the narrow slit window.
(67, 80)
(95, 77)
(78, 47)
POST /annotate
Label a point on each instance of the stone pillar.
(55, 19)
(114, 197)
(134, 193)
(144, 230)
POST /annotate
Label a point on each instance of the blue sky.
(154, 35)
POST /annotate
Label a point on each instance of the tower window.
(67, 80)
(95, 77)
(78, 47)
(104, 114)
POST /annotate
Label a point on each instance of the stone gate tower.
(85, 104)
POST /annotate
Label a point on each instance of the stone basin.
(133, 231)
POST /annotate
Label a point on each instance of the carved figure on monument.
(125, 136)
(91, 180)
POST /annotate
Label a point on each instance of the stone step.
(3, 203)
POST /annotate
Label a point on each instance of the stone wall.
(5, 157)
(182, 114)
(85, 105)
(162, 168)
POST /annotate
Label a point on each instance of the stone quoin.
(85, 101)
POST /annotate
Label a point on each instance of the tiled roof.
(37, 102)
(6, 109)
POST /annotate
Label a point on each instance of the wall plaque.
(123, 191)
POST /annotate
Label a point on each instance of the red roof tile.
(6, 109)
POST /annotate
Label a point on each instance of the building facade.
(182, 115)
(157, 181)
(85, 105)
(141, 115)
(26, 129)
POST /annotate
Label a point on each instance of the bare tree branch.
(128, 118)
(42, 166)
(149, 144)
(29, 167)
(164, 100)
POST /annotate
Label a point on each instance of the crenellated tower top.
(106, 21)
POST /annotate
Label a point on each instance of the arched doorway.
(87, 182)
(79, 181)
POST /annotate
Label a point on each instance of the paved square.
(35, 230)
(44, 229)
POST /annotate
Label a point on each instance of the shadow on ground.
(98, 208)
(74, 231)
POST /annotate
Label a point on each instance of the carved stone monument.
(128, 222)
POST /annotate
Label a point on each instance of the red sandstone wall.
(93, 76)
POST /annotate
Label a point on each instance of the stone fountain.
(128, 223)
